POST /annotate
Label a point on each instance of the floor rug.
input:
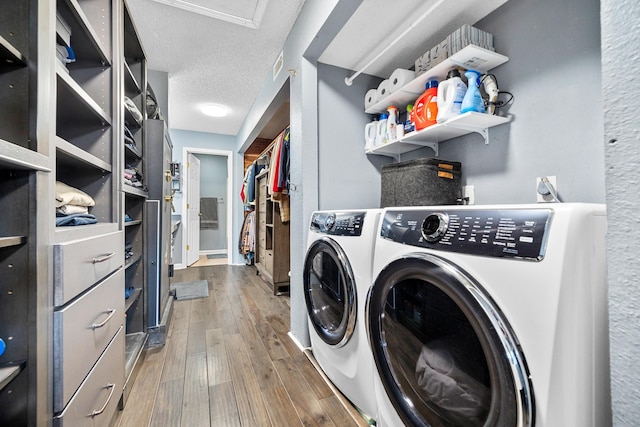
(190, 290)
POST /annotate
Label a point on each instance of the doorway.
(208, 226)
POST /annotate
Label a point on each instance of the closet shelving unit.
(88, 275)
(24, 171)
(471, 56)
(134, 70)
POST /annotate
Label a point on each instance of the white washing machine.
(337, 278)
(491, 316)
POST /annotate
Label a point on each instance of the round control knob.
(330, 221)
(435, 226)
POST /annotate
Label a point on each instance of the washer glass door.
(444, 352)
(330, 292)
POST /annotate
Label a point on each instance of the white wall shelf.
(431, 136)
(473, 57)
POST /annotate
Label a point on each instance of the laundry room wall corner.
(620, 35)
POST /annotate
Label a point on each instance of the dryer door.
(330, 292)
(445, 354)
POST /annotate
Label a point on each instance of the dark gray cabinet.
(158, 225)
(88, 267)
(135, 194)
(24, 176)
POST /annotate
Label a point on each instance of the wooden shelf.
(10, 56)
(471, 56)
(18, 157)
(9, 372)
(430, 136)
(131, 261)
(69, 154)
(10, 241)
(134, 191)
(132, 299)
(131, 84)
(86, 41)
(78, 105)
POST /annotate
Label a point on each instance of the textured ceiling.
(210, 60)
(213, 53)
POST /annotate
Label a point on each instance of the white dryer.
(491, 316)
(337, 278)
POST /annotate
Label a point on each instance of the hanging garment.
(275, 166)
(248, 239)
(283, 175)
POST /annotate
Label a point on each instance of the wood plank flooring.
(228, 361)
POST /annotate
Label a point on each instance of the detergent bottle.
(392, 122)
(408, 124)
(381, 130)
(450, 95)
(426, 106)
(472, 100)
(370, 130)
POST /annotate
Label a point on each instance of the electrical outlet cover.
(469, 194)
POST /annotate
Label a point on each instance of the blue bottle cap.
(431, 83)
(384, 116)
(2, 347)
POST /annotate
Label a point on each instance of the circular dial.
(330, 221)
(435, 226)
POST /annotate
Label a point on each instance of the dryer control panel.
(516, 233)
(338, 223)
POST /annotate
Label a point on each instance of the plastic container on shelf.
(392, 123)
(472, 100)
(409, 126)
(381, 130)
(450, 95)
(370, 131)
(426, 106)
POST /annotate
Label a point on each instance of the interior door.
(193, 209)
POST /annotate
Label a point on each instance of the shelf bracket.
(433, 145)
(484, 132)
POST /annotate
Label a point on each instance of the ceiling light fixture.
(214, 110)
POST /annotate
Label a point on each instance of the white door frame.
(212, 152)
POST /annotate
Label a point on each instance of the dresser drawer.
(96, 402)
(81, 332)
(81, 263)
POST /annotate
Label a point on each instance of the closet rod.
(349, 80)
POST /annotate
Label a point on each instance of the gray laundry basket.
(421, 182)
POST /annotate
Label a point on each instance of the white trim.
(211, 152)
(252, 23)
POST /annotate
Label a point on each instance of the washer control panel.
(516, 233)
(338, 223)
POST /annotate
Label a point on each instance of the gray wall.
(620, 60)
(557, 124)
(347, 178)
(213, 183)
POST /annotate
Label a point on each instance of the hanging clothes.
(283, 175)
(247, 242)
(275, 166)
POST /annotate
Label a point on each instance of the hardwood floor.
(228, 361)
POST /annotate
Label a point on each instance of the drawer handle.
(103, 258)
(111, 312)
(101, 410)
